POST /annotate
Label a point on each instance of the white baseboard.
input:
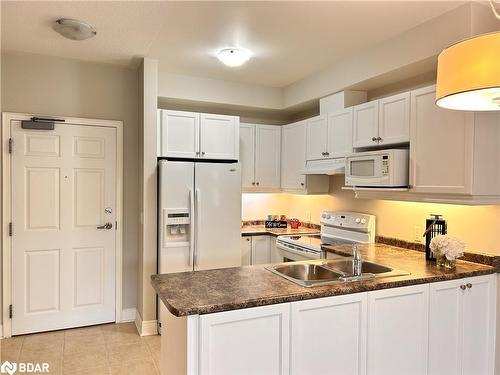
(146, 327)
(128, 315)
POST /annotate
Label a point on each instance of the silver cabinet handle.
(379, 139)
(257, 183)
(302, 184)
(203, 153)
(469, 285)
(105, 226)
(374, 139)
(323, 153)
(327, 153)
(462, 287)
(253, 183)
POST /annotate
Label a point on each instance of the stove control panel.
(348, 220)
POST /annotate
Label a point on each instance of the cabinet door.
(445, 327)
(261, 250)
(275, 254)
(329, 335)
(267, 156)
(248, 341)
(180, 134)
(365, 124)
(219, 137)
(293, 155)
(394, 119)
(441, 143)
(316, 138)
(247, 155)
(246, 251)
(340, 133)
(398, 330)
(478, 355)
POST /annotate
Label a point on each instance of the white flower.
(448, 246)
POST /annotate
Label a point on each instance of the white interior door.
(63, 188)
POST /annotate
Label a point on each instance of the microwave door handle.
(191, 227)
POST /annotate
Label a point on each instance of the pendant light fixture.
(468, 74)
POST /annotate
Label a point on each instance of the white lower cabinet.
(261, 249)
(329, 335)
(248, 341)
(462, 326)
(440, 328)
(397, 330)
(246, 251)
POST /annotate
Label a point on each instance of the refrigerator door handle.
(198, 216)
(191, 227)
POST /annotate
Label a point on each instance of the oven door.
(366, 171)
(293, 254)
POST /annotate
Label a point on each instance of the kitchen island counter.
(205, 292)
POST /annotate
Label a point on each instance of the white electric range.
(337, 228)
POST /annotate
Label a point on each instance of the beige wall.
(478, 226)
(146, 296)
(57, 86)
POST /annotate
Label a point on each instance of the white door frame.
(7, 208)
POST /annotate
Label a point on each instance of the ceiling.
(290, 40)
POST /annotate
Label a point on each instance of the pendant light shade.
(468, 74)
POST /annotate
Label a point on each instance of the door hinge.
(11, 314)
(10, 229)
(116, 225)
(10, 145)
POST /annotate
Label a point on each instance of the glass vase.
(442, 261)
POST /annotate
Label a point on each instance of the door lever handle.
(105, 226)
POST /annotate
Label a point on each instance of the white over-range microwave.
(381, 168)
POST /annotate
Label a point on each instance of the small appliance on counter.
(295, 223)
(434, 226)
(337, 228)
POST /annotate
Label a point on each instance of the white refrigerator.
(199, 215)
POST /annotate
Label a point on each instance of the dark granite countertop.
(254, 230)
(204, 292)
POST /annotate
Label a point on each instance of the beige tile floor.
(111, 349)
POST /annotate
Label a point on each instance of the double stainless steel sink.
(326, 272)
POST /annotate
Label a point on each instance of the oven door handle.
(307, 254)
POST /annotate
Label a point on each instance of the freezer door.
(218, 215)
(176, 198)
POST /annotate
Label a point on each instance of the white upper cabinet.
(260, 157)
(247, 155)
(394, 119)
(194, 135)
(179, 134)
(340, 133)
(219, 138)
(267, 156)
(382, 122)
(293, 155)
(365, 124)
(441, 146)
(316, 138)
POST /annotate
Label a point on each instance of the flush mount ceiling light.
(234, 56)
(468, 74)
(74, 29)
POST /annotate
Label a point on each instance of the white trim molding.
(128, 315)
(6, 217)
(146, 327)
